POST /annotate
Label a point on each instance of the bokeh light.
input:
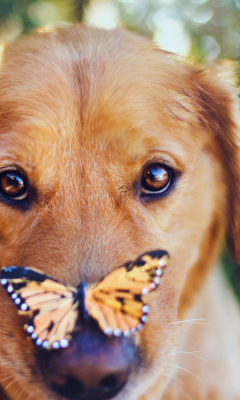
(203, 29)
(102, 14)
(43, 12)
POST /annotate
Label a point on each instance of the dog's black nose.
(93, 367)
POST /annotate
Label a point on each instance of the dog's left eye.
(13, 185)
(156, 179)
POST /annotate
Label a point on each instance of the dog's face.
(108, 148)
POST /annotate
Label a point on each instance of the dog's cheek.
(17, 348)
(15, 229)
(158, 343)
(20, 375)
(158, 339)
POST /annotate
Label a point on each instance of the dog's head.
(109, 148)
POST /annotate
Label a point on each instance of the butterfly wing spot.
(144, 319)
(145, 309)
(34, 336)
(29, 328)
(117, 332)
(56, 345)
(24, 307)
(64, 343)
(108, 331)
(45, 344)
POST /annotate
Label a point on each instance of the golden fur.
(81, 111)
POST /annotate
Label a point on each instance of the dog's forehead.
(80, 104)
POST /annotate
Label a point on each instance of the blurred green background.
(202, 30)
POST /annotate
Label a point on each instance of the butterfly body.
(80, 299)
(117, 302)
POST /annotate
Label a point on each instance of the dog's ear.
(218, 102)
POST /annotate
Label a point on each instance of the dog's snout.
(90, 380)
(93, 367)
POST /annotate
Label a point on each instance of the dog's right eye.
(13, 185)
(157, 180)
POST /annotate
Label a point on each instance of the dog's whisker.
(3, 331)
(186, 370)
(188, 320)
(4, 378)
(192, 353)
(8, 386)
(8, 377)
(172, 377)
(19, 392)
(194, 321)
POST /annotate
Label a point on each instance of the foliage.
(22, 16)
(232, 271)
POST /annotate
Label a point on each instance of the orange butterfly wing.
(118, 301)
(50, 304)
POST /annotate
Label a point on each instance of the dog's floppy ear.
(219, 113)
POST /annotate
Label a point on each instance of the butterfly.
(117, 302)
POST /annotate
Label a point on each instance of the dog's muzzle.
(94, 366)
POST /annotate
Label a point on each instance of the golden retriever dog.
(109, 148)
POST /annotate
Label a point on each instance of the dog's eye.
(13, 185)
(156, 179)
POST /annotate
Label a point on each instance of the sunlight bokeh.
(202, 29)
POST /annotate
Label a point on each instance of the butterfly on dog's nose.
(117, 302)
